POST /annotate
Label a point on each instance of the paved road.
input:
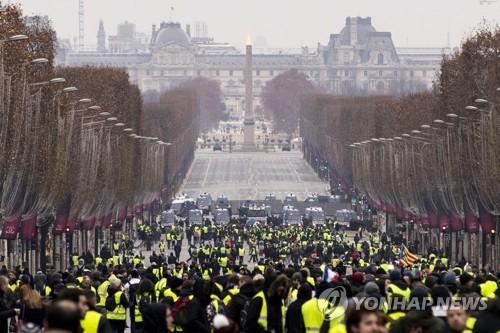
(242, 176)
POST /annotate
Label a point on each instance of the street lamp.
(16, 38)
(58, 80)
(110, 119)
(104, 114)
(84, 100)
(481, 101)
(70, 89)
(40, 61)
(119, 124)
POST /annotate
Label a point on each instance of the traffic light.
(492, 231)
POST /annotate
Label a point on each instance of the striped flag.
(407, 258)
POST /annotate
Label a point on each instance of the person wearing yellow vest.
(116, 305)
(241, 253)
(91, 321)
(318, 309)
(397, 286)
(266, 311)
(145, 295)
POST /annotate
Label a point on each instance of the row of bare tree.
(430, 153)
(76, 140)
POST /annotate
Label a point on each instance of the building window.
(217, 73)
(271, 73)
(379, 73)
(231, 73)
(380, 87)
(395, 73)
(346, 73)
(380, 59)
(185, 72)
(424, 73)
(257, 72)
(411, 73)
(147, 72)
(366, 73)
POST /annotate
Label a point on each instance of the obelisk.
(249, 121)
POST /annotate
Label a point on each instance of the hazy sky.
(283, 23)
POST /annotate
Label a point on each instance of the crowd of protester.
(263, 278)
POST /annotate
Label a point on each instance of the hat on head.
(395, 275)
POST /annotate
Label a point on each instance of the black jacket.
(294, 321)
(274, 316)
(238, 301)
(6, 310)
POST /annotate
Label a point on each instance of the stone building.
(357, 61)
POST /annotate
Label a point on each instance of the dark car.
(217, 147)
(286, 147)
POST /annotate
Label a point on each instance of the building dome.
(172, 33)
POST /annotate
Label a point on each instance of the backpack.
(110, 303)
(244, 313)
(179, 311)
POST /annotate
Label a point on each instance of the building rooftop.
(172, 33)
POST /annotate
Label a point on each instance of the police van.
(291, 216)
(204, 202)
(195, 217)
(315, 215)
(222, 216)
(181, 205)
(291, 197)
(259, 213)
(345, 217)
(223, 202)
(168, 218)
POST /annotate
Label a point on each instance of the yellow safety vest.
(469, 324)
(393, 289)
(119, 313)
(102, 290)
(169, 293)
(160, 285)
(313, 312)
(90, 323)
(241, 252)
(262, 321)
(137, 311)
(98, 261)
(393, 317)
(223, 262)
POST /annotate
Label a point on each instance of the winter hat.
(372, 289)
(220, 321)
(450, 278)
(30, 328)
(395, 276)
(465, 278)
(358, 277)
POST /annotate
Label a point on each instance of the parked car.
(217, 147)
(286, 147)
